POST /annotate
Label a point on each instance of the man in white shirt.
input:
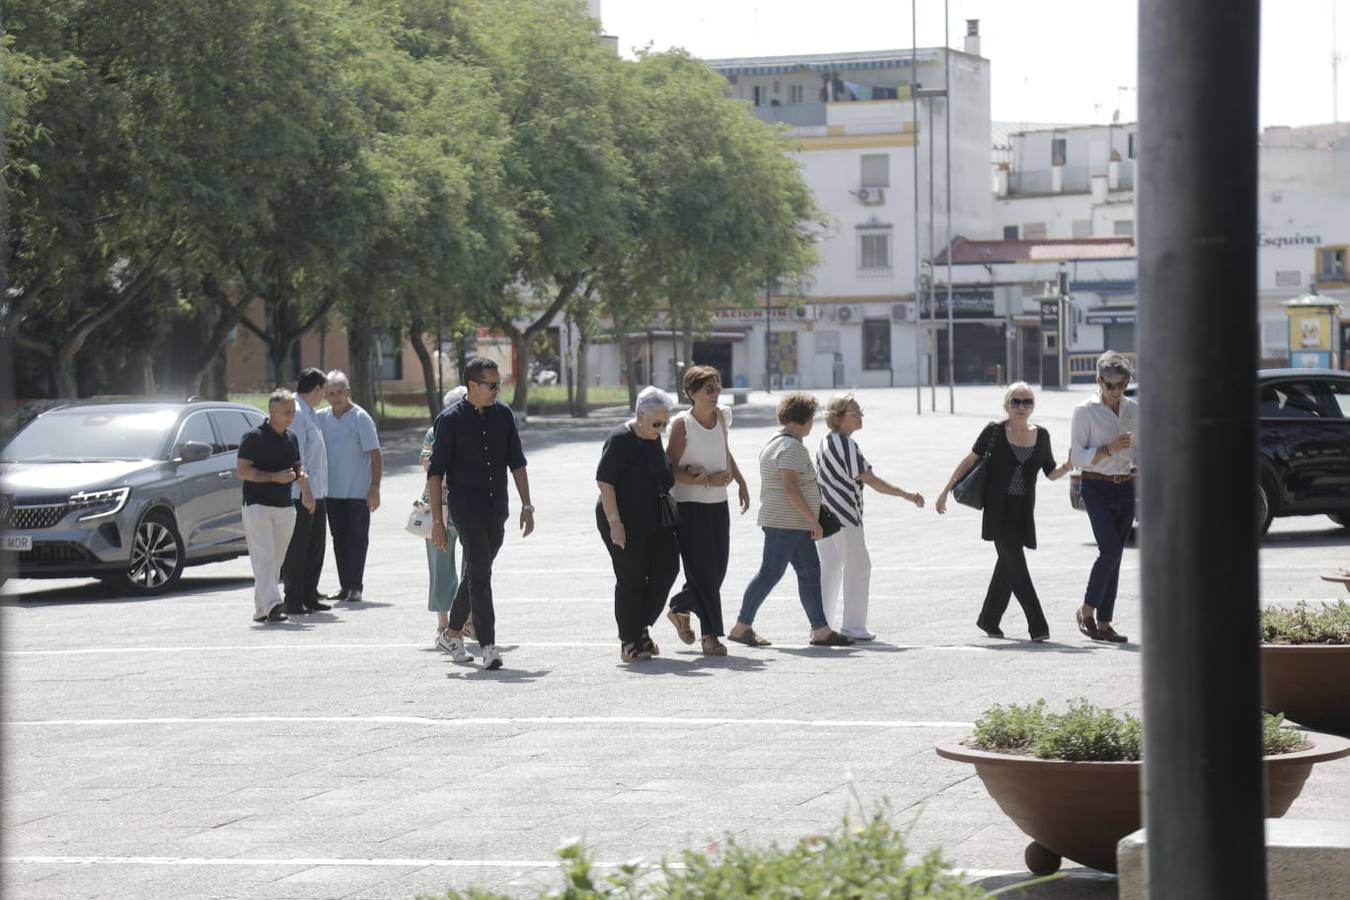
(1102, 447)
(304, 557)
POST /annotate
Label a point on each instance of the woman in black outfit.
(635, 523)
(1016, 449)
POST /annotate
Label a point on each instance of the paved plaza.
(169, 747)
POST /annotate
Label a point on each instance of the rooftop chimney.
(973, 37)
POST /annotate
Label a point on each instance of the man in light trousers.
(268, 463)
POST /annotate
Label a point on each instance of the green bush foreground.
(858, 861)
(1088, 734)
(1300, 625)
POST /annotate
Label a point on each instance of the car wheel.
(1265, 512)
(156, 556)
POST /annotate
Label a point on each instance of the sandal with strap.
(749, 639)
(833, 639)
(682, 627)
(713, 647)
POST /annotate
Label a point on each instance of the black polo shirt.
(269, 452)
(472, 451)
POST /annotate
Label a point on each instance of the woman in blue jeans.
(789, 511)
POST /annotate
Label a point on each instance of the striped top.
(839, 466)
(783, 451)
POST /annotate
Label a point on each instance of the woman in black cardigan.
(1016, 449)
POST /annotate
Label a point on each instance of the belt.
(1114, 479)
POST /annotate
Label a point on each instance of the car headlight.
(97, 504)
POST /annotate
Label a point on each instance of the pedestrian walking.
(304, 555)
(476, 442)
(442, 577)
(1102, 434)
(789, 515)
(268, 463)
(842, 471)
(1013, 450)
(355, 468)
(636, 517)
(700, 454)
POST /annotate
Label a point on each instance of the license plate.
(18, 543)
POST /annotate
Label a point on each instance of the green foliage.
(1086, 733)
(1299, 624)
(863, 861)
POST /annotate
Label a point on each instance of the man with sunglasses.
(1103, 448)
(475, 443)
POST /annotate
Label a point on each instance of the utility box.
(1314, 332)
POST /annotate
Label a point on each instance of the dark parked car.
(128, 492)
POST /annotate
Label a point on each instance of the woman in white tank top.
(700, 454)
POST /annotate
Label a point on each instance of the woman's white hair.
(1014, 388)
(653, 398)
(453, 396)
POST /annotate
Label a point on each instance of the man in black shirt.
(268, 462)
(476, 441)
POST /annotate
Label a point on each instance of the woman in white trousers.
(842, 472)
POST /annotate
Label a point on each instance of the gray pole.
(914, 119)
(951, 324)
(1203, 803)
(932, 273)
(768, 325)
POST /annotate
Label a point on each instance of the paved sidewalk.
(169, 747)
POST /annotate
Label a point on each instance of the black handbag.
(670, 513)
(969, 491)
(829, 522)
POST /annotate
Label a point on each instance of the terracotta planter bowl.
(1309, 684)
(1049, 799)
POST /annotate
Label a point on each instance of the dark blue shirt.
(471, 451)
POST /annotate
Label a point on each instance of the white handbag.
(420, 521)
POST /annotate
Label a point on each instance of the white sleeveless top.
(704, 447)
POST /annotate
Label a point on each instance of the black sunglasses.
(1021, 401)
(493, 386)
(658, 424)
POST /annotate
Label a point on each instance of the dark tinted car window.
(197, 427)
(1340, 392)
(89, 433)
(232, 424)
(1290, 400)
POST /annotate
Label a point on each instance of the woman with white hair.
(636, 517)
(1013, 451)
(443, 579)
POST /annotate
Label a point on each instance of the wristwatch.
(528, 507)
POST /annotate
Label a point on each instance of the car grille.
(53, 554)
(28, 518)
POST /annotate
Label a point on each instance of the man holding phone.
(1102, 446)
(268, 463)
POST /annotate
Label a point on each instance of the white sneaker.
(492, 658)
(454, 646)
(858, 634)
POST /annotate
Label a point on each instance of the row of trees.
(389, 162)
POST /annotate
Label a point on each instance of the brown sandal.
(681, 622)
(713, 647)
(749, 639)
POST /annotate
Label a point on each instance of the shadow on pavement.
(1053, 647)
(692, 665)
(504, 675)
(99, 592)
(1323, 537)
(1077, 884)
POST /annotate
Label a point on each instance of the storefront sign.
(1297, 239)
(749, 315)
(964, 306)
(1111, 317)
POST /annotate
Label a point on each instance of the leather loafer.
(317, 606)
(1087, 626)
(1106, 633)
(276, 615)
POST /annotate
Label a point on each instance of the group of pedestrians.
(307, 474)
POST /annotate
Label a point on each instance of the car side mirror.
(192, 451)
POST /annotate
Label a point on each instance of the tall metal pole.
(914, 121)
(1204, 799)
(768, 325)
(951, 323)
(931, 287)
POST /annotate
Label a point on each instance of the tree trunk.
(227, 317)
(415, 332)
(361, 355)
(63, 371)
(571, 368)
(520, 342)
(581, 408)
(626, 351)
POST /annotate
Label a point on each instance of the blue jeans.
(781, 547)
(1110, 508)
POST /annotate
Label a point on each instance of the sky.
(1058, 61)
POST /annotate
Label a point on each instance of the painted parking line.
(325, 647)
(480, 721)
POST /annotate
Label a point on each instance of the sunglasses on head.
(1021, 401)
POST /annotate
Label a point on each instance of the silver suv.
(126, 492)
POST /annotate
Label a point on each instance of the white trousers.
(267, 530)
(844, 562)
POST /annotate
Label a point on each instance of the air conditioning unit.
(871, 196)
(902, 312)
(848, 313)
(806, 313)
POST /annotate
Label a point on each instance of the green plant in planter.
(1301, 625)
(1086, 733)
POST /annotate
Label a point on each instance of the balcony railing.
(797, 115)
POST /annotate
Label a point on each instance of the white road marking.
(487, 720)
(321, 647)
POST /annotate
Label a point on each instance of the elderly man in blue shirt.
(355, 467)
(304, 556)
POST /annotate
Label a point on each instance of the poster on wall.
(783, 353)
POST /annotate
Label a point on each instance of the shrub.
(1088, 734)
(1300, 625)
(858, 861)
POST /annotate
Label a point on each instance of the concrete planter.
(1309, 684)
(1081, 810)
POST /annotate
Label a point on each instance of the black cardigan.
(1000, 471)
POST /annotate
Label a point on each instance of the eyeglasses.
(658, 424)
(1022, 401)
(712, 390)
(493, 386)
(1115, 385)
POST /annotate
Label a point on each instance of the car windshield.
(90, 435)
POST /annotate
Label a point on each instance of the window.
(875, 170)
(795, 93)
(389, 358)
(1331, 264)
(1082, 228)
(874, 253)
(1132, 147)
(759, 95)
(1123, 228)
(1033, 231)
(1340, 392)
(197, 428)
(232, 425)
(1010, 232)
(1059, 151)
(1290, 400)
(876, 343)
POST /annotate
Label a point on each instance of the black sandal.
(749, 639)
(833, 639)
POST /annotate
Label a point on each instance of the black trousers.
(349, 523)
(644, 571)
(304, 556)
(481, 532)
(705, 547)
(1011, 576)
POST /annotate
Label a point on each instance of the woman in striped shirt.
(842, 471)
